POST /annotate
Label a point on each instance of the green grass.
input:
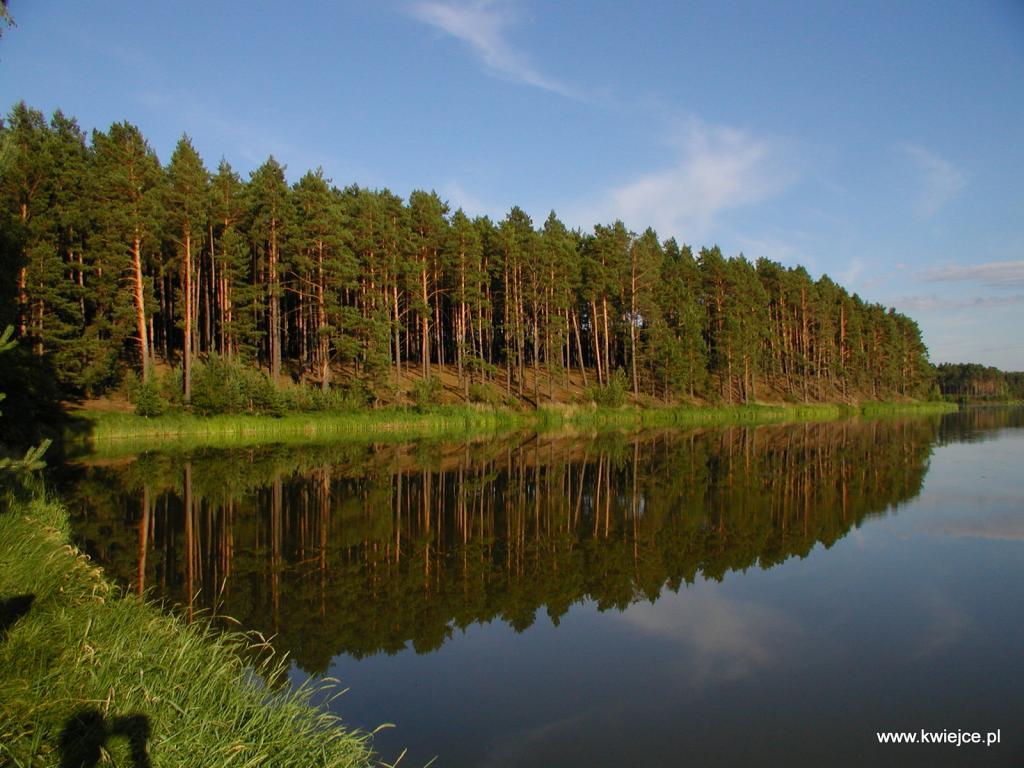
(94, 428)
(687, 416)
(397, 423)
(886, 409)
(86, 646)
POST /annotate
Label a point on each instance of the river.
(771, 595)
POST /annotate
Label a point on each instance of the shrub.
(146, 397)
(613, 394)
(220, 385)
(349, 397)
(486, 395)
(427, 392)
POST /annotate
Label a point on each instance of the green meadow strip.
(94, 429)
(872, 409)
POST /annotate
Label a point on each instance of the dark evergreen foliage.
(974, 382)
(112, 262)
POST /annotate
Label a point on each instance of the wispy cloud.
(991, 274)
(940, 303)
(848, 276)
(483, 25)
(781, 250)
(940, 180)
(459, 197)
(249, 141)
(713, 169)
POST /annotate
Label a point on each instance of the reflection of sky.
(912, 621)
(717, 638)
(975, 491)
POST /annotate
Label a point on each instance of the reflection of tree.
(978, 423)
(363, 550)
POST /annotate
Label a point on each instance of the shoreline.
(91, 428)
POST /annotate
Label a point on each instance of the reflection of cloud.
(1009, 528)
(989, 515)
(940, 180)
(715, 169)
(724, 638)
(1005, 530)
(518, 745)
(992, 274)
(944, 625)
(482, 24)
(927, 303)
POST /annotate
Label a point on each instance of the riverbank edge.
(391, 424)
(83, 659)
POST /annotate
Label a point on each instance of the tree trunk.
(579, 346)
(139, 296)
(323, 340)
(425, 321)
(632, 321)
(186, 268)
(607, 355)
(398, 335)
(275, 307)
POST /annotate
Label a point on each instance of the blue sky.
(877, 142)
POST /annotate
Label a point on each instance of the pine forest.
(120, 269)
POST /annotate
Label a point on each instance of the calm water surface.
(771, 595)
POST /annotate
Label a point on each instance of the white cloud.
(992, 274)
(483, 26)
(940, 180)
(848, 276)
(459, 197)
(249, 142)
(939, 303)
(715, 169)
(776, 249)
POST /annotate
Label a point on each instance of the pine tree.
(187, 211)
(645, 258)
(428, 233)
(330, 270)
(238, 295)
(518, 247)
(465, 257)
(561, 281)
(679, 356)
(24, 180)
(270, 210)
(126, 181)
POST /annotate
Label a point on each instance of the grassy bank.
(699, 416)
(401, 422)
(81, 661)
(875, 409)
(449, 422)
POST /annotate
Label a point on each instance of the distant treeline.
(971, 381)
(112, 261)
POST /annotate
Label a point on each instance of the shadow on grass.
(12, 609)
(87, 732)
